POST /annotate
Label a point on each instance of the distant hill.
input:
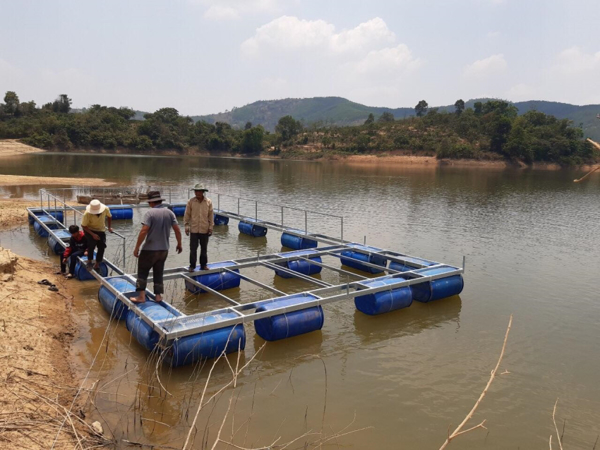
(330, 110)
(340, 111)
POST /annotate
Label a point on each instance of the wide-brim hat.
(95, 207)
(154, 196)
(199, 187)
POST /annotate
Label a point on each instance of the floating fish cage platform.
(385, 281)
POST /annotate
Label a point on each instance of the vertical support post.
(305, 222)
(256, 210)
(124, 260)
(55, 210)
(282, 216)
(170, 199)
(342, 227)
(219, 202)
(238, 206)
(464, 261)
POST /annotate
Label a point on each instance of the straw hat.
(95, 207)
(199, 187)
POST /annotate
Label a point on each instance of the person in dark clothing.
(154, 234)
(77, 247)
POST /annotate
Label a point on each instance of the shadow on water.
(408, 321)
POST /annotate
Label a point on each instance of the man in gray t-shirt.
(155, 233)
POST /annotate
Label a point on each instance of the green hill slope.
(340, 111)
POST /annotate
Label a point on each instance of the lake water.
(531, 242)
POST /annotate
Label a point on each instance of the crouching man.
(77, 247)
(154, 234)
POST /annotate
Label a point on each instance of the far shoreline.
(397, 159)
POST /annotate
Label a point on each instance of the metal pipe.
(305, 222)
(206, 288)
(255, 282)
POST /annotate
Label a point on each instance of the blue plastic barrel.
(221, 220)
(217, 281)
(82, 274)
(383, 301)
(251, 229)
(297, 242)
(289, 324)
(209, 344)
(439, 288)
(352, 258)
(50, 222)
(178, 209)
(140, 330)
(115, 307)
(299, 265)
(58, 215)
(121, 212)
(55, 242)
(406, 266)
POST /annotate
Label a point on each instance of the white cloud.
(287, 33)
(392, 61)
(222, 10)
(365, 62)
(366, 34)
(575, 61)
(492, 34)
(486, 67)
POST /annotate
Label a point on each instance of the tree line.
(490, 129)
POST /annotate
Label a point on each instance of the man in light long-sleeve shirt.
(199, 222)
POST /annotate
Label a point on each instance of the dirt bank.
(37, 385)
(13, 213)
(12, 147)
(22, 180)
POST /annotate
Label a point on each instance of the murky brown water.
(531, 240)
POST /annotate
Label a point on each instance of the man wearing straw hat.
(199, 222)
(94, 226)
(155, 233)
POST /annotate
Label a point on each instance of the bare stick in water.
(595, 144)
(458, 430)
(555, 427)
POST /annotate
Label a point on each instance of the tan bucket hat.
(95, 207)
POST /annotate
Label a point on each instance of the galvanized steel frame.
(274, 261)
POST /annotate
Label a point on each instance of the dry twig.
(457, 431)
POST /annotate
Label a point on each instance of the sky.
(208, 56)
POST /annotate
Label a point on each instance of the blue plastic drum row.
(184, 350)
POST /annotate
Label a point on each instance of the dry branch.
(458, 429)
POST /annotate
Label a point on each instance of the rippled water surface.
(531, 242)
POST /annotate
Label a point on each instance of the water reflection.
(408, 321)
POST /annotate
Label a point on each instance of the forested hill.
(340, 111)
(316, 110)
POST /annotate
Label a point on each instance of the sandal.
(45, 282)
(53, 288)
(69, 276)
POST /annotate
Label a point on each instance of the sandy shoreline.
(25, 180)
(37, 379)
(12, 147)
(37, 382)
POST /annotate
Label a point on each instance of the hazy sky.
(205, 56)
